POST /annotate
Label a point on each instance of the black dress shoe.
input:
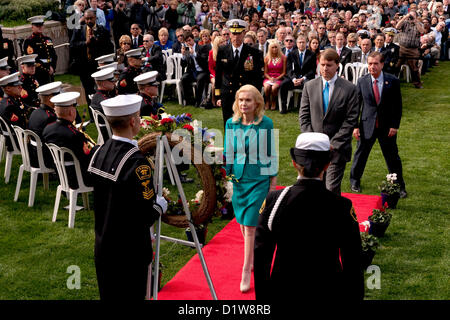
(283, 112)
(355, 188)
(403, 194)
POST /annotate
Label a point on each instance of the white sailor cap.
(390, 31)
(10, 80)
(110, 65)
(4, 63)
(104, 74)
(310, 148)
(236, 25)
(134, 53)
(107, 58)
(147, 78)
(49, 88)
(66, 99)
(28, 59)
(36, 20)
(121, 105)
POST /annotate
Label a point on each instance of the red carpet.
(224, 256)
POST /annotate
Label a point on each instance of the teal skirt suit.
(250, 158)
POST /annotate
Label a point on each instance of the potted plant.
(390, 191)
(369, 245)
(379, 221)
(201, 231)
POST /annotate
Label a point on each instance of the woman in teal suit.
(252, 161)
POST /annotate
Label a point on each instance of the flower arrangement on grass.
(390, 186)
(382, 216)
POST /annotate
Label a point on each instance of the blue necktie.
(325, 98)
(301, 59)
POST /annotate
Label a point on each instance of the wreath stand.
(163, 153)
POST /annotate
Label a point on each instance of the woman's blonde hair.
(203, 32)
(215, 46)
(269, 56)
(124, 38)
(259, 111)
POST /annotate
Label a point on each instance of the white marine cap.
(49, 88)
(104, 74)
(111, 65)
(4, 63)
(66, 99)
(107, 58)
(147, 78)
(10, 80)
(122, 105)
(134, 53)
(28, 59)
(36, 19)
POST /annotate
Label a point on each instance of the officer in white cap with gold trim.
(125, 204)
(306, 257)
(392, 52)
(237, 64)
(12, 109)
(28, 95)
(42, 46)
(126, 79)
(148, 90)
(63, 133)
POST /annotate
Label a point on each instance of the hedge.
(11, 10)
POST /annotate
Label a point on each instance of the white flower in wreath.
(199, 196)
(165, 192)
(229, 193)
(165, 115)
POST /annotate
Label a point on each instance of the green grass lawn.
(414, 258)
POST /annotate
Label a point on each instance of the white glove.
(162, 202)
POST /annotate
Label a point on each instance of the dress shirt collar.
(123, 139)
(240, 48)
(331, 81)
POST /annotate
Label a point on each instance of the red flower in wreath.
(154, 117)
(223, 172)
(189, 115)
(166, 120)
(188, 127)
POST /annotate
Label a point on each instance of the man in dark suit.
(330, 105)
(279, 232)
(380, 101)
(345, 54)
(300, 67)
(137, 39)
(89, 42)
(195, 62)
(238, 64)
(7, 50)
(366, 49)
(153, 59)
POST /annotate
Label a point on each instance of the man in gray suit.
(330, 105)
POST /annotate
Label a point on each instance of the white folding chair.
(340, 70)
(8, 135)
(294, 92)
(174, 73)
(2, 146)
(26, 138)
(101, 125)
(58, 154)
